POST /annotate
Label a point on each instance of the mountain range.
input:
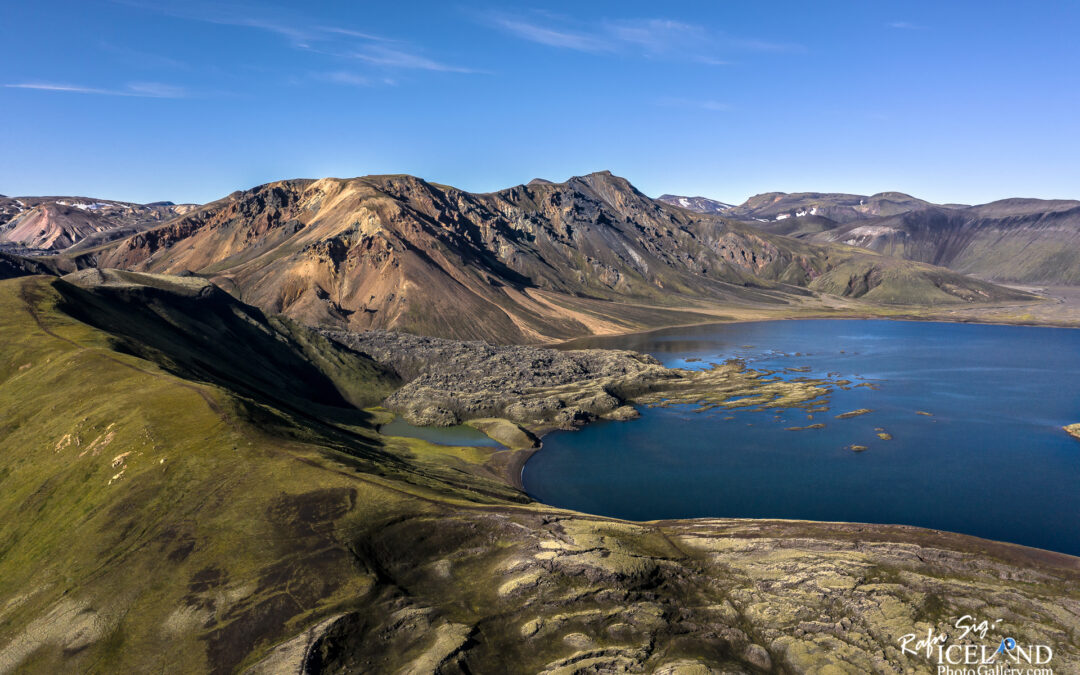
(1028, 241)
(532, 263)
(52, 224)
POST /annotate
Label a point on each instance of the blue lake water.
(992, 461)
(459, 435)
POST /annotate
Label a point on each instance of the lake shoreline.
(571, 343)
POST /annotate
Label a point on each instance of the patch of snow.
(94, 206)
(872, 231)
(783, 216)
(684, 202)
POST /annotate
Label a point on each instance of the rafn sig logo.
(979, 649)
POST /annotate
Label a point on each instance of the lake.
(459, 435)
(990, 460)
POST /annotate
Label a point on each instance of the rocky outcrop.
(1073, 430)
(451, 381)
(574, 594)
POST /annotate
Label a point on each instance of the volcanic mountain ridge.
(532, 263)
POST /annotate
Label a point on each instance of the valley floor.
(1060, 307)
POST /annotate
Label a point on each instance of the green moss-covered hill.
(170, 503)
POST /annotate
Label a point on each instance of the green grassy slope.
(196, 330)
(12, 266)
(889, 281)
(161, 520)
(151, 522)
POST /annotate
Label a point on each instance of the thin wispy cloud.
(712, 61)
(653, 38)
(710, 105)
(351, 79)
(353, 33)
(552, 37)
(753, 45)
(657, 36)
(228, 14)
(301, 33)
(142, 59)
(134, 89)
(345, 77)
(906, 25)
(395, 58)
(156, 90)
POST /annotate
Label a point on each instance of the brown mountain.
(1012, 240)
(838, 207)
(58, 223)
(529, 263)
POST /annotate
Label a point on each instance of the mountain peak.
(602, 180)
(595, 176)
(604, 185)
(894, 196)
(599, 176)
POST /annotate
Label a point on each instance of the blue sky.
(145, 100)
